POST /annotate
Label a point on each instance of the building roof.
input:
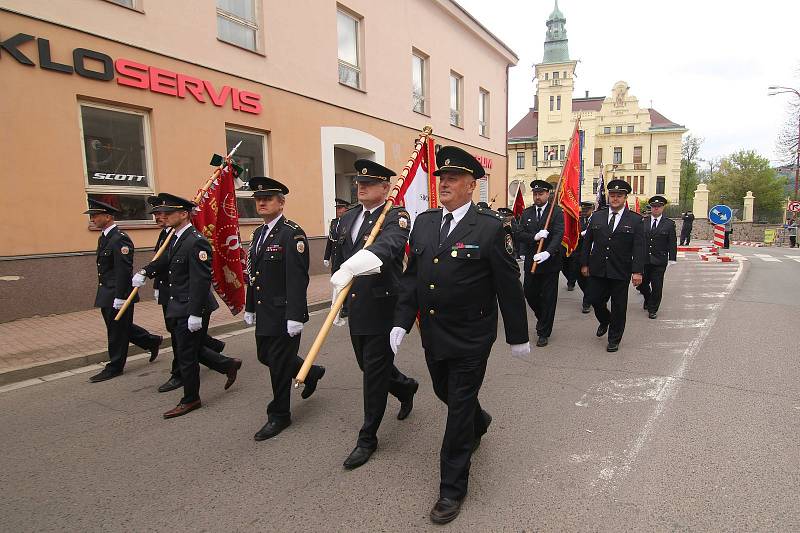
(528, 126)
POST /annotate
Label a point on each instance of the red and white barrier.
(719, 235)
(713, 258)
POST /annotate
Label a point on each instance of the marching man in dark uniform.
(330, 245)
(276, 300)
(211, 354)
(191, 302)
(662, 247)
(510, 225)
(586, 212)
(686, 228)
(613, 256)
(461, 264)
(375, 272)
(541, 287)
(114, 269)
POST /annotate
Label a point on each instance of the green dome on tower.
(556, 49)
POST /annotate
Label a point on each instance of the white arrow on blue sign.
(720, 214)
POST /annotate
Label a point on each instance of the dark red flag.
(519, 203)
(217, 218)
(570, 193)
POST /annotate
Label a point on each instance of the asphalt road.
(692, 425)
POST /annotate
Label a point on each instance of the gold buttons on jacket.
(432, 286)
(259, 302)
(258, 288)
(435, 260)
(431, 312)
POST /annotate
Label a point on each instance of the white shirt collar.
(180, 231)
(657, 219)
(269, 227)
(458, 214)
(108, 229)
(376, 208)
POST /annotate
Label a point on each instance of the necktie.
(655, 223)
(261, 238)
(613, 220)
(360, 226)
(538, 214)
(445, 228)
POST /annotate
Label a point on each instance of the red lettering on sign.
(217, 99)
(163, 81)
(193, 85)
(132, 74)
(250, 102)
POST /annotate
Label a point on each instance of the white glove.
(541, 234)
(138, 280)
(326, 262)
(118, 303)
(293, 328)
(155, 294)
(520, 350)
(672, 262)
(194, 323)
(583, 233)
(363, 263)
(396, 337)
(541, 257)
(249, 318)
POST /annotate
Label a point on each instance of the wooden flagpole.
(313, 352)
(165, 244)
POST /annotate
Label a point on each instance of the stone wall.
(742, 231)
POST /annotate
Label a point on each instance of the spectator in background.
(791, 231)
(686, 228)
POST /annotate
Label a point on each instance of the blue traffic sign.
(720, 214)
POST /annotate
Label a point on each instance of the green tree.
(745, 171)
(689, 175)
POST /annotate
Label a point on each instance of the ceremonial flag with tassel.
(217, 218)
(418, 192)
(519, 203)
(569, 194)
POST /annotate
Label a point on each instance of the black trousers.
(457, 382)
(279, 353)
(792, 241)
(652, 286)
(600, 290)
(209, 356)
(187, 348)
(686, 235)
(541, 292)
(380, 378)
(571, 268)
(122, 332)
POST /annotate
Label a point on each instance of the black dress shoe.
(105, 375)
(585, 308)
(154, 349)
(602, 329)
(358, 457)
(541, 341)
(172, 384)
(314, 375)
(612, 347)
(652, 314)
(445, 510)
(232, 371)
(271, 429)
(408, 404)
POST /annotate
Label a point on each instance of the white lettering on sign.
(118, 177)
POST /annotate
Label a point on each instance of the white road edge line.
(614, 473)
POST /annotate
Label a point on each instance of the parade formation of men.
(461, 274)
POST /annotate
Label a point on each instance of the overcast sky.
(702, 63)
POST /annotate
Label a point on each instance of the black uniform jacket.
(114, 268)
(188, 275)
(278, 276)
(616, 254)
(584, 222)
(330, 245)
(456, 286)
(688, 221)
(528, 227)
(662, 244)
(160, 282)
(372, 298)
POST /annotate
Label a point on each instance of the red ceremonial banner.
(519, 203)
(217, 218)
(569, 194)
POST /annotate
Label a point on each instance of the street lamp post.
(775, 89)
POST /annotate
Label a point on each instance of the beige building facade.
(126, 98)
(621, 139)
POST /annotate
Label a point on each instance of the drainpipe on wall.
(506, 144)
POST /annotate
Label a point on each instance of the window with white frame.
(116, 156)
(237, 23)
(348, 29)
(419, 80)
(520, 160)
(456, 97)
(483, 112)
(251, 156)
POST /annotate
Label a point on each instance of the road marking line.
(683, 323)
(768, 258)
(623, 391)
(615, 472)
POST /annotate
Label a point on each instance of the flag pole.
(163, 247)
(336, 305)
(558, 189)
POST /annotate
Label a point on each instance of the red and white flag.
(418, 192)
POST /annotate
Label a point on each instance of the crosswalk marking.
(768, 258)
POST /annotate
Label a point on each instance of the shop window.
(251, 157)
(598, 157)
(419, 80)
(348, 27)
(483, 113)
(661, 183)
(662, 154)
(116, 155)
(456, 98)
(237, 23)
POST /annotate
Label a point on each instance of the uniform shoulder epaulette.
(638, 214)
(431, 210)
(489, 213)
(354, 207)
(294, 225)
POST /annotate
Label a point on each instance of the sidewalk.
(38, 346)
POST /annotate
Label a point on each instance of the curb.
(62, 365)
